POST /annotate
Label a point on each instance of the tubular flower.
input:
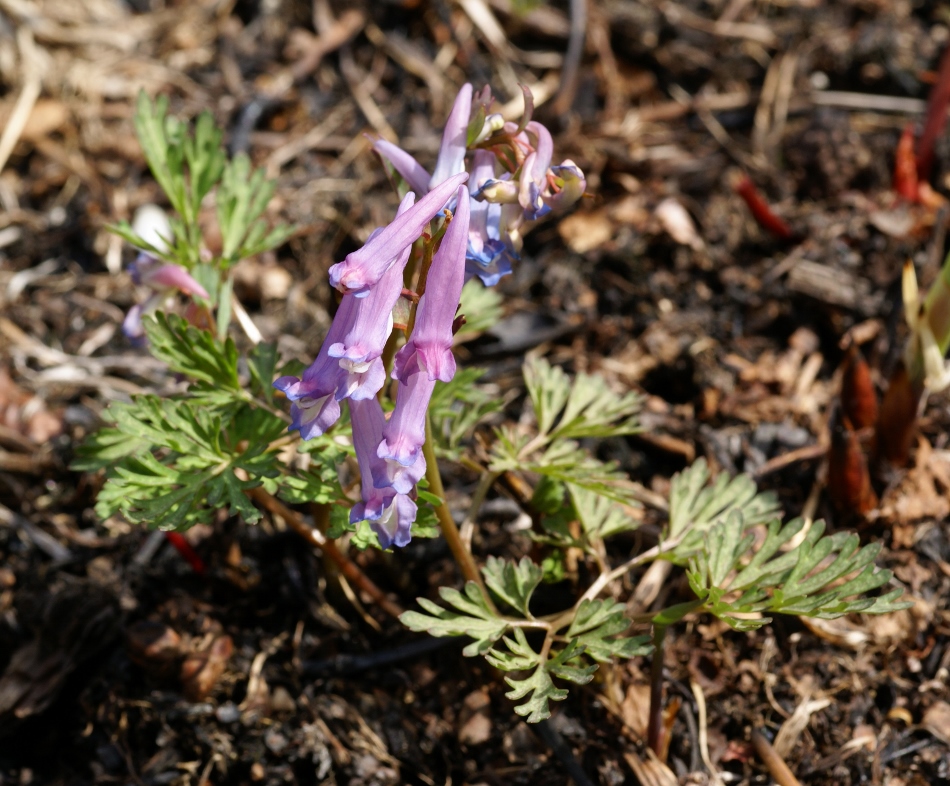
(430, 347)
(349, 363)
(151, 224)
(405, 432)
(451, 158)
(164, 280)
(389, 512)
(363, 269)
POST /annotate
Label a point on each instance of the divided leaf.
(697, 506)
(597, 627)
(512, 582)
(196, 354)
(458, 406)
(472, 617)
(600, 517)
(823, 576)
(539, 687)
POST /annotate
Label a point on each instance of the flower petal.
(411, 170)
(451, 158)
(362, 269)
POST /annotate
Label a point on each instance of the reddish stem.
(905, 168)
(183, 547)
(760, 209)
(936, 117)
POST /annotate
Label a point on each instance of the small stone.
(228, 712)
(282, 701)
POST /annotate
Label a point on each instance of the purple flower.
(451, 158)
(404, 434)
(429, 349)
(316, 405)
(163, 279)
(362, 269)
(390, 513)
(411, 170)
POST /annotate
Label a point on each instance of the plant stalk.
(462, 555)
(316, 538)
(655, 724)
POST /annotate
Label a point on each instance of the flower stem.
(462, 555)
(347, 567)
(655, 725)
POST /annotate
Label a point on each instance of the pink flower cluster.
(349, 366)
(482, 238)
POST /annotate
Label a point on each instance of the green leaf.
(457, 407)
(549, 388)
(518, 657)
(206, 161)
(600, 517)
(262, 362)
(597, 627)
(697, 506)
(103, 448)
(197, 354)
(539, 687)
(241, 201)
(542, 690)
(823, 576)
(471, 617)
(482, 308)
(513, 583)
(564, 461)
(160, 138)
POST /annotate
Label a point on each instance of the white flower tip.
(152, 225)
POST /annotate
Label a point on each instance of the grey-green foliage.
(565, 412)
(538, 689)
(696, 506)
(823, 576)
(595, 629)
(457, 407)
(172, 461)
(188, 164)
(481, 307)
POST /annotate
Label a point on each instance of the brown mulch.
(121, 665)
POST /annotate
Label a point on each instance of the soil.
(119, 663)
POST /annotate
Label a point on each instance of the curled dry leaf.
(849, 482)
(154, 646)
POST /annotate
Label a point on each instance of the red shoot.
(183, 547)
(760, 209)
(905, 168)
